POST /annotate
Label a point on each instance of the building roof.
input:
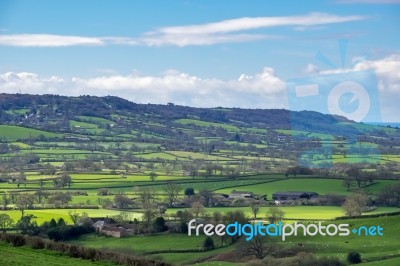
(112, 228)
(241, 192)
(294, 193)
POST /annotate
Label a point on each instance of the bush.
(159, 224)
(208, 243)
(35, 242)
(16, 240)
(354, 257)
(74, 251)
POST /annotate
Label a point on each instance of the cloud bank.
(261, 90)
(226, 31)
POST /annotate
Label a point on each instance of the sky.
(332, 56)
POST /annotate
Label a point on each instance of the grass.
(321, 186)
(13, 133)
(140, 244)
(370, 248)
(296, 212)
(47, 214)
(320, 136)
(21, 256)
(206, 124)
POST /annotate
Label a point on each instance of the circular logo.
(359, 93)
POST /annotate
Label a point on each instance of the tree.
(5, 201)
(355, 204)
(172, 191)
(149, 214)
(60, 199)
(5, 222)
(347, 182)
(27, 225)
(197, 209)
(255, 208)
(276, 215)
(208, 243)
(40, 194)
(122, 201)
(189, 192)
(74, 216)
(146, 195)
(259, 246)
(61, 222)
(153, 176)
(206, 196)
(21, 178)
(390, 195)
(159, 224)
(354, 257)
(24, 201)
(52, 223)
(65, 179)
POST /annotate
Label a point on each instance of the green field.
(13, 133)
(206, 124)
(139, 244)
(47, 214)
(321, 186)
(297, 212)
(24, 256)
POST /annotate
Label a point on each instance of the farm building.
(241, 195)
(293, 195)
(113, 231)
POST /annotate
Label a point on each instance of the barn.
(293, 195)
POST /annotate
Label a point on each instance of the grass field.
(139, 244)
(297, 212)
(206, 124)
(370, 247)
(24, 256)
(47, 214)
(321, 186)
(13, 133)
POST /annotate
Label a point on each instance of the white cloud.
(47, 40)
(387, 71)
(262, 90)
(226, 31)
(311, 69)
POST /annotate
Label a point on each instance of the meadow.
(24, 256)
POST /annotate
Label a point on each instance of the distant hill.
(54, 113)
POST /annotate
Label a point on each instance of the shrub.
(354, 257)
(159, 224)
(208, 243)
(16, 240)
(74, 251)
(35, 242)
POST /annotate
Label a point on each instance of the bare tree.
(153, 176)
(206, 195)
(276, 215)
(172, 191)
(24, 201)
(255, 208)
(197, 209)
(259, 246)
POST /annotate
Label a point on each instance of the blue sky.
(198, 53)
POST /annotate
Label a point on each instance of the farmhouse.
(113, 231)
(293, 195)
(241, 195)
